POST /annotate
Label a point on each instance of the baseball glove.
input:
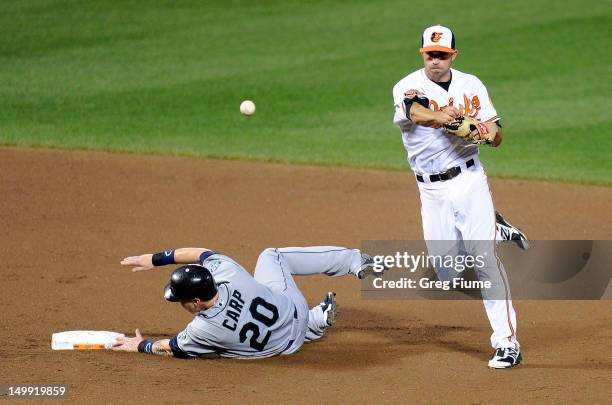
(470, 129)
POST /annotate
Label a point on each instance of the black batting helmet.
(190, 282)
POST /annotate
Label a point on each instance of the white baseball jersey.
(460, 208)
(433, 150)
(249, 320)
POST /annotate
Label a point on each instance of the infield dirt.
(67, 218)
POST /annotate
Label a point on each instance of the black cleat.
(508, 232)
(329, 308)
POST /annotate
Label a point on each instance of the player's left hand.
(471, 130)
(128, 344)
(140, 263)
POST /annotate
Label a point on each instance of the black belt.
(447, 175)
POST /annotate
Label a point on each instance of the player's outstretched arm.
(426, 117)
(178, 256)
(138, 344)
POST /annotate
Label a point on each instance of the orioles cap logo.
(436, 36)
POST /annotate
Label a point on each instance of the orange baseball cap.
(438, 38)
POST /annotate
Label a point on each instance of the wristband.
(206, 255)
(163, 258)
(421, 100)
(146, 346)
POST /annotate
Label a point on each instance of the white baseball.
(247, 107)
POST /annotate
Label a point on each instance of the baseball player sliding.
(241, 316)
(444, 116)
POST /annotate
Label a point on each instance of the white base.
(84, 339)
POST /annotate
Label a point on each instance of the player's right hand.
(140, 263)
(442, 117)
(128, 344)
(452, 111)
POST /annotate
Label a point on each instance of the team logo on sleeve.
(212, 266)
(436, 36)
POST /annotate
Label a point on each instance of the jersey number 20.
(263, 318)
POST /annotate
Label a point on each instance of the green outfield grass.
(168, 77)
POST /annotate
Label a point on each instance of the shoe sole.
(500, 365)
(369, 271)
(523, 243)
(331, 313)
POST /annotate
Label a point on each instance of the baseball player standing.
(241, 316)
(444, 116)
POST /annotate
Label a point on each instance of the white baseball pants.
(461, 209)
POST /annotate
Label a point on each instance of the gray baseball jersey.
(249, 320)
